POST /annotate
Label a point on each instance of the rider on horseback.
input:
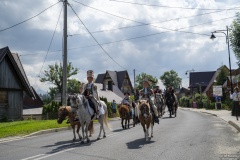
(146, 93)
(90, 92)
(126, 101)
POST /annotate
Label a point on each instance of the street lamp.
(227, 41)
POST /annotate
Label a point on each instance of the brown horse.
(125, 114)
(146, 118)
(66, 111)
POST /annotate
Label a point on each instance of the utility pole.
(134, 78)
(64, 80)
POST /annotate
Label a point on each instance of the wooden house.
(120, 79)
(13, 84)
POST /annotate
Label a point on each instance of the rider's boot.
(156, 120)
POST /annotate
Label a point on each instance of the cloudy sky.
(151, 36)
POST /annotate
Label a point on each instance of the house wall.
(10, 84)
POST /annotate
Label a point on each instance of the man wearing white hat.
(146, 93)
(90, 92)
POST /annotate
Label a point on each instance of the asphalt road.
(190, 135)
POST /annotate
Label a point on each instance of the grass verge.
(21, 128)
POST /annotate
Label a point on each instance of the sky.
(153, 36)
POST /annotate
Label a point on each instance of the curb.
(234, 125)
(52, 130)
(48, 131)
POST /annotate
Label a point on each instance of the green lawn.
(20, 128)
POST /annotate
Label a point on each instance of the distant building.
(13, 84)
(32, 108)
(115, 79)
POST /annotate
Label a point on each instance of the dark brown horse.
(125, 114)
(146, 118)
(66, 111)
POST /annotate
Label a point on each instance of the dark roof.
(100, 78)
(202, 78)
(28, 102)
(17, 65)
(184, 90)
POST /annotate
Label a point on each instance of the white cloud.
(177, 50)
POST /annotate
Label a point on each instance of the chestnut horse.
(66, 111)
(146, 118)
(125, 114)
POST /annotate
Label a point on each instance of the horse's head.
(62, 114)
(144, 108)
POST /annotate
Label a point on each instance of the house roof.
(113, 76)
(202, 78)
(117, 77)
(110, 95)
(17, 65)
(28, 102)
(100, 78)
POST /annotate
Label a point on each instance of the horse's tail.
(106, 119)
(91, 128)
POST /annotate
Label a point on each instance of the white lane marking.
(33, 157)
(49, 155)
(14, 139)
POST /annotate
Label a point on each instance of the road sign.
(217, 91)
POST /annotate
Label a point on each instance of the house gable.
(12, 61)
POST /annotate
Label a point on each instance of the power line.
(137, 21)
(136, 37)
(154, 34)
(95, 38)
(49, 45)
(28, 18)
(153, 5)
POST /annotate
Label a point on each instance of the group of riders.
(89, 91)
(146, 93)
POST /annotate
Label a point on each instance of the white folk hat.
(145, 79)
(90, 73)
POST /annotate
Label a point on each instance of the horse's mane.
(123, 108)
(142, 103)
(68, 108)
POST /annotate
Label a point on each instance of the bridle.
(63, 114)
(145, 111)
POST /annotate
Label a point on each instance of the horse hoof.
(88, 140)
(98, 138)
(82, 142)
(104, 136)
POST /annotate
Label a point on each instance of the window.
(3, 97)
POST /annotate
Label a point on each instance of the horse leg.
(101, 127)
(83, 132)
(74, 134)
(78, 129)
(151, 130)
(86, 132)
(104, 133)
(122, 122)
(125, 127)
(128, 122)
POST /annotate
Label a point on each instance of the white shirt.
(235, 96)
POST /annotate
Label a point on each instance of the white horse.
(84, 115)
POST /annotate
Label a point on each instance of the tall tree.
(54, 76)
(235, 37)
(222, 77)
(140, 77)
(171, 78)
